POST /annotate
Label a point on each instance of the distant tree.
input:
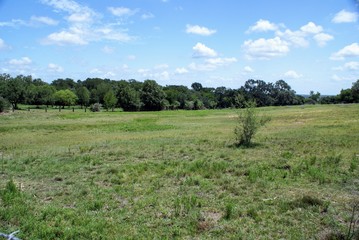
(15, 89)
(4, 104)
(314, 96)
(152, 96)
(110, 100)
(189, 105)
(198, 104)
(63, 84)
(83, 95)
(346, 96)
(65, 98)
(128, 97)
(355, 91)
(259, 91)
(196, 86)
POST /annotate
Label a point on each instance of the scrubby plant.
(96, 107)
(248, 123)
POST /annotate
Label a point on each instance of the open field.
(176, 174)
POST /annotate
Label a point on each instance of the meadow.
(178, 174)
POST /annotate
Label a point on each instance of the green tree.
(83, 95)
(110, 100)
(355, 91)
(196, 86)
(65, 98)
(4, 104)
(128, 97)
(152, 96)
(248, 123)
(15, 89)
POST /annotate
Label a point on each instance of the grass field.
(177, 174)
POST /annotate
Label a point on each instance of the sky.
(311, 44)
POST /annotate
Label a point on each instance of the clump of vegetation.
(248, 123)
(4, 105)
(96, 107)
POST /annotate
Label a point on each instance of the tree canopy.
(133, 95)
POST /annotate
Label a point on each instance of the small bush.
(248, 124)
(96, 107)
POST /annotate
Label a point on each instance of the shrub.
(96, 107)
(4, 104)
(248, 124)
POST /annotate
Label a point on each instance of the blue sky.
(311, 44)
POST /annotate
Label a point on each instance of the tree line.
(133, 95)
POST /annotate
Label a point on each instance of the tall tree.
(152, 95)
(83, 95)
(65, 98)
(110, 100)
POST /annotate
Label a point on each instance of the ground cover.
(178, 174)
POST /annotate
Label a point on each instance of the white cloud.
(338, 78)
(181, 71)
(201, 50)
(3, 44)
(65, 37)
(85, 25)
(44, 20)
(22, 61)
(348, 51)
(161, 66)
(291, 74)
(122, 11)
(296, 38)
(265, 48)
(345, 17)
(195, 29)
(351, 66)
(220, 61)
(322, 38)
(146, 16)
(248, 69)
(263, 26)
(311, 28)
(55, 68)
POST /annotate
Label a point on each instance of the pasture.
(177, 174)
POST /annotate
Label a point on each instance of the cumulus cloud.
(85, 25)
(21, 61)
(108, 50)
(322, 38)
(181, 70)
(248, 69)
(351, 50)
(345, 17)
(263, 26)
(291, 74)
(195, 29)
(295, 38)
(201, 50)
(351, 66)
(122, 11)
(220, 61)
(311, 28)
(265, 48)
(65, 37)
(52, 67)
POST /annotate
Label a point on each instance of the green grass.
(177, 174)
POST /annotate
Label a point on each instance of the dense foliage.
(134, 95)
